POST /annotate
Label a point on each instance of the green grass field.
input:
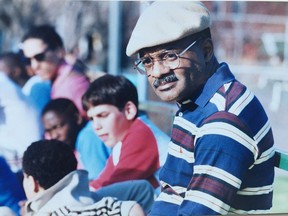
(280, 199)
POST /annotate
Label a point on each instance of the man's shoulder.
(80, 82)
(67, 71)
(78, 77)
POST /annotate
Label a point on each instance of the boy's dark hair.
(48, 161)
(47, 34)
(112, 90)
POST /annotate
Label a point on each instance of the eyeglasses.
(169, 58)
(40, 56)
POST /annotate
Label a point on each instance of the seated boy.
(111, 103)
(54, 186)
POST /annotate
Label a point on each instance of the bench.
(281, 159)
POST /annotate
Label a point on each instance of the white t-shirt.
(19, 122)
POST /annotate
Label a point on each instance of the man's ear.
(208, 49)
(32, 184)
(130, 110)
(79, 119)
(35, 184)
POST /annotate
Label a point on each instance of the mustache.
(164, 80)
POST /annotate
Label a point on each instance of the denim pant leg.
(137, 190)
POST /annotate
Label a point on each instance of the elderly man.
(220, 157)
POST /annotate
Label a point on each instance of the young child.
(53, 186)
(111, 103)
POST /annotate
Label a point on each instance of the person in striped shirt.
(220, 156)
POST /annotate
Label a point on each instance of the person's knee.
(146, 194)
(144, 185)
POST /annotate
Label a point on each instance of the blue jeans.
(140, 191)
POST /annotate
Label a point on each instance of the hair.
(67, 111)
(112, 90)
(47, 34)
(13, 61)
(63, 107)
(48, 161)
(206, 33)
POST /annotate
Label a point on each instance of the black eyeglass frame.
(178, 55)
(40, 57)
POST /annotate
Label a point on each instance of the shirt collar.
(219, 78)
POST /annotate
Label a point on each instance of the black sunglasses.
(40, 57)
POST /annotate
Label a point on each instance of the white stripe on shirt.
(218, 173)
(263, 131)
(242, 102)
(269, 153)
(179, 152)
(183, 123)
(170, 198)
(207, 200)
(256, 190)
(228, 130)
(219, 101)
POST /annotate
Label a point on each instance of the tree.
(73, 20)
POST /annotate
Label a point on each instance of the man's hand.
(22, 207)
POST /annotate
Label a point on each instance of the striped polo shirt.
(220, 157)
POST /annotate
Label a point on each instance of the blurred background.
(251, 36)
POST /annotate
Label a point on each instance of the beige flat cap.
(166, 21)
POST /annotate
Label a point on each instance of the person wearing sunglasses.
(220, 157)
(44, 49)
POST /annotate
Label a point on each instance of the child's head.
(62, 121)
(109, 89)
(112, 103)
(45, 162)
(12, 64)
